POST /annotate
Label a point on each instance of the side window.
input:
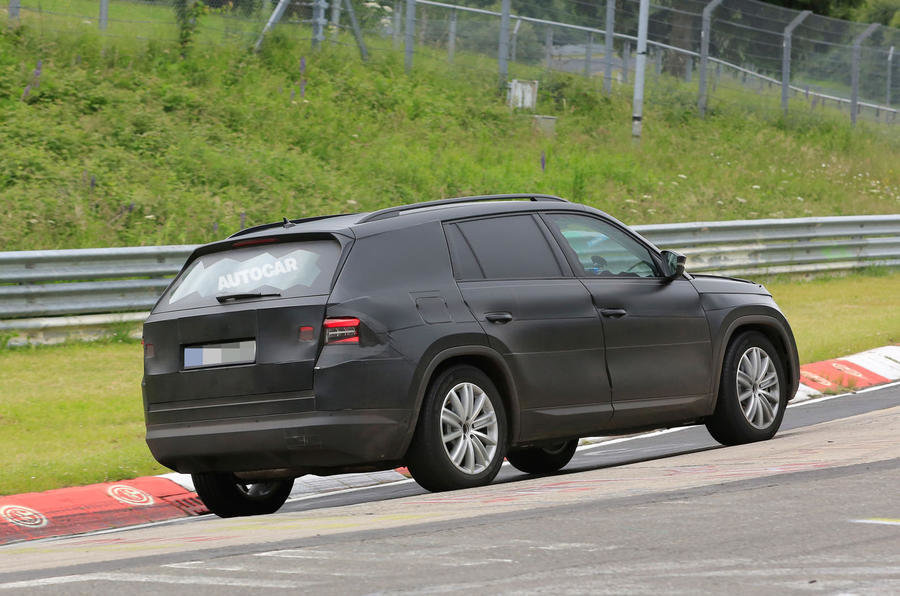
(603, 249)
(502, 247)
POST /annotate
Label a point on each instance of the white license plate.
(238, 352)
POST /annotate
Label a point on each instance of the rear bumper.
(309, 442)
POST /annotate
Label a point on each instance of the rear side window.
(503, 248)
(289, 269)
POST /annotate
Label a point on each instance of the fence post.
(410, 33)
(608, 25)
(854, 73)
(689, 69)
(503, 46)
(515, 38)
(588, 51)
(658, 59)
(14, 9)
(451, 37)
(548, 43)
(786, 58)
(704, 53)
(319, 7)
(639, 67)
(335, 18)
(104, 14)
(626, 60)
(357, 32)
(273, 20)
(887, 94)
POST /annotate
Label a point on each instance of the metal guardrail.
(104, 280)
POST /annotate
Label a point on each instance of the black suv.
(445, 336)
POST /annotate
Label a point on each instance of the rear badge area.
(222, 354)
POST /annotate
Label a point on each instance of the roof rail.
(395, 211)
(282, 223)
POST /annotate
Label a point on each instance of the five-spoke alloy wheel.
(460, 439)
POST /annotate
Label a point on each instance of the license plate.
(238, 352)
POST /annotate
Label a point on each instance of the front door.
(658, 349)
(519, 286)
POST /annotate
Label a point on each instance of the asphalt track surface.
(816, 510)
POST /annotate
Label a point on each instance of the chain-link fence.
(759, 56)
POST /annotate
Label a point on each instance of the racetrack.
(813, 509)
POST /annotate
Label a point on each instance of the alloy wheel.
(469, 428)
(757, 388)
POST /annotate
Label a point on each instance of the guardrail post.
(410, 33)
(548, 44)
(14, 9)
(451, 37)
(639, 67)
(503, 45)
(890, 68)
(335, 18)
(704, 53)
(608, 24)
(588, 50)
(786, 58)
(854, 72)
(104, 14)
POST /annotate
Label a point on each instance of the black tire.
(226, 496)
(729, 424)
(429, 461)
(542, 460)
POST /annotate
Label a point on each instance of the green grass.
(125, 143)
(71, 415)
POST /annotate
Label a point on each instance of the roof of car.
(403, 215)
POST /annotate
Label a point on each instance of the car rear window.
(505, 247)
(287, 269)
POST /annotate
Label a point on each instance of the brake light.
(149, 350)
(342, 331)
(253, 241)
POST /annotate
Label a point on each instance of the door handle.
(613, 313)
(501, 318)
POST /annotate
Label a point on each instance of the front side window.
(603, 249)
(289, 269)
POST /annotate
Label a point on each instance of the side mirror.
(674, 263)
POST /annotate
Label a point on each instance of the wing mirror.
(674, 263)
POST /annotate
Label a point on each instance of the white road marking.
(155, 579)
(883, 521)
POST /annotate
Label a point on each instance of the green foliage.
(886, 12)
(125, 142)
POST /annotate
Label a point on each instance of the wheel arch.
(776, 330)
(483, 358)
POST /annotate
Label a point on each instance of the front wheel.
(460, 439)
(227, 496)
(753, 392)
(543, 460)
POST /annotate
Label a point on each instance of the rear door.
(519, 287)
(237, 333)
(658, 348)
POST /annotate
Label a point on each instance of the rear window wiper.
(243, 295)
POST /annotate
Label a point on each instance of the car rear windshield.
(288, 269)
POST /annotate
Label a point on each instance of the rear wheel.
(543, 460)
(752, 392)
(460, 439)
(226, 496)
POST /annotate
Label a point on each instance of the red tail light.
(342, 331)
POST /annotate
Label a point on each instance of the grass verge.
(71, 414)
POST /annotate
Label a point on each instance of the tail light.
(149, 350)
(342, 331)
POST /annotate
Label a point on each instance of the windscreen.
(288, 269)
